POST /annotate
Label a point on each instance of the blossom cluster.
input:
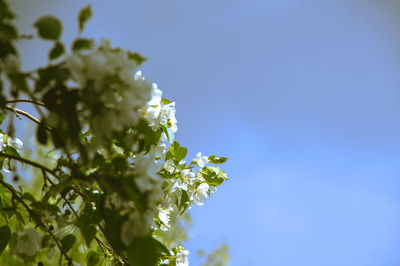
(110, 87)
(160, 112)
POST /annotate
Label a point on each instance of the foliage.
(114, 182)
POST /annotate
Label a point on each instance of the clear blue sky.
(303, 95)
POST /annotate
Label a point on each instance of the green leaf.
(184, 202)
(165, 130)
(149, 135)
(57, 50)
(165, 101)
(2, 117)
(214, 176)
(145, 251)
(50, 76)
(217, 160)
(41, 133)
(177, 151)
(48, 27)
(12, 151)
(84, 15)
(6, 48)
(136, 57)
(7, 32)
(67, 242)
(28, 196)
(82, 43)
(5, 12)
(88, 230)
(5, 234)
(112, 230)
(19, 81)
(92, 258)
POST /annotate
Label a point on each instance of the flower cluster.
(160, 112)
(110, 87)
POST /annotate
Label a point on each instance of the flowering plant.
(114, 182)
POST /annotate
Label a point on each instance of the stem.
(38, 221)
(26, 101)
(28, 115)
(35, 164)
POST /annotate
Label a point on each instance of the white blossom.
(200, 194)
(201, 160)
(164, 216)
(111, 73)
(6, 140)
(157, 113)
(189, 177)
(179, 184)
(169, 166)
(28, 242)
(182, 257)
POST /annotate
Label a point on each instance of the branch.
(27, 161)
(26, 101)
(28, 115)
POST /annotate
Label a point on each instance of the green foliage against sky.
(108, 182)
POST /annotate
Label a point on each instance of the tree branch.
(27, 161)
(28, 115)
(26, 101)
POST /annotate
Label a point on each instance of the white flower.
(164, 216)
(28, 242)
(169, 166)
(201, 160)
(122, 94)
(158, 113)
(179, 184)
(182, 257)
(16, 143)
(189, 177)
(200, 194)
(5, 141)
(158, 150)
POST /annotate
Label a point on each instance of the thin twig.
(27, 161)
(26, 101)
(28, 115)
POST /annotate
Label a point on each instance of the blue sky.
(304, 96)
